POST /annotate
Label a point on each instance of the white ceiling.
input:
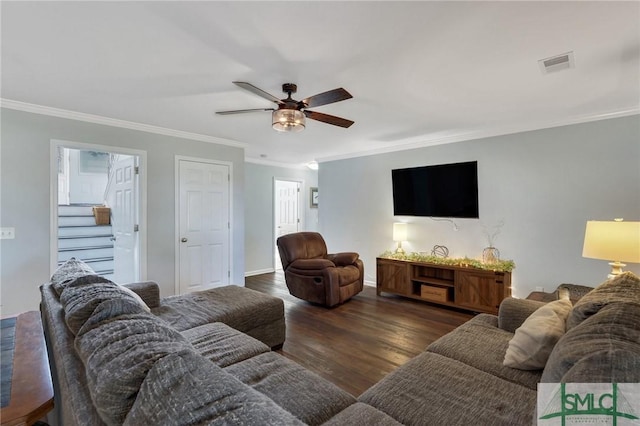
(420, 72)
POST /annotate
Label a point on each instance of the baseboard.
(370, 283)
(259, 272)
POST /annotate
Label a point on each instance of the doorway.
(287, 211)
(203, 225)
(111, 241)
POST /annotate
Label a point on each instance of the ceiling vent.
(556, 63)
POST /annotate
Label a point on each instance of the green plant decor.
(465, 262)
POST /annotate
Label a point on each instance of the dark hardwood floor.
(356, 344)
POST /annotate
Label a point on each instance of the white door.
(287, 214)
(124, 216)
(203, 225)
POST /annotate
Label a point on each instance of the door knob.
(184, 240)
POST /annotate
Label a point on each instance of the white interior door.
(124, 215)
(287, 214)
(204, 259)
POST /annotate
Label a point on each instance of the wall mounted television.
(444, 190)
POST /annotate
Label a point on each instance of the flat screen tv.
(445, 190)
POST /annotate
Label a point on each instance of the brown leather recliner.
(315, 276)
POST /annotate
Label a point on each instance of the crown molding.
(423, 141)
(97, 119)
(420, 141)
(264, 162)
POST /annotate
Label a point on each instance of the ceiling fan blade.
(329, 119)
(242, 111)
(253, 89)
(335, 95)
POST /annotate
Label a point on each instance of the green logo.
(588, 403)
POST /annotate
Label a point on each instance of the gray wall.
(259, 212)
(544, 184)
(25, 198)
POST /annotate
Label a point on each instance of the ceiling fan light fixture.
(288, 120)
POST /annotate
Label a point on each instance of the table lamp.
(616, 240)
(399, 235)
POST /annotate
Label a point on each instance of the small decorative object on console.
(440, 251)
(490, 255)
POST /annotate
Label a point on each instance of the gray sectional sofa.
(190, 360)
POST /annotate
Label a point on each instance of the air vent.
(556, 63)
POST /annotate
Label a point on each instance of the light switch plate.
(7, 233)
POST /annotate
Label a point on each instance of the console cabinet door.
(479, 291)
(393, 277)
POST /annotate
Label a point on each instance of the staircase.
(80, 237)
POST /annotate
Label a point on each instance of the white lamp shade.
(399, 231)
(612, 240)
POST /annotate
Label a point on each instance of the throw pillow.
(534, 340)
(82, 296)
(601, 349)
(69, 271)
(624, 288)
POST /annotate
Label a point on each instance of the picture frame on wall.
(314, 197)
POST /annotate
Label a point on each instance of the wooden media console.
(469, 288)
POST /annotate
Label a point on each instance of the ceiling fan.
(290, 114)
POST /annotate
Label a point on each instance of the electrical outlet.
(539, 288)
(7, 233)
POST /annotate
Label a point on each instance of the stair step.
(75, 209)
(84, 243)
(73, 231)
(80, 237)
(65, 221)
(101, 247)
(99, 265)
(72, 237)
(64, 255)
(91, 260)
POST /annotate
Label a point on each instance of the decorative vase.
(490, 255)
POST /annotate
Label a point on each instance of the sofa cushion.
(304, 394)
(533, 341)
(481, 344)
(72, 400)
(513, 312)
(148, 291)
(434, 390)
(623, 288)
(136, 296)
(222, 344)
(344, 258)
(67, 272)
(257, 314)
(620, 366)
(184, 388)
(347, 275)
(591, 351)
(82, 296)
(361, 414)
(118, 351)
